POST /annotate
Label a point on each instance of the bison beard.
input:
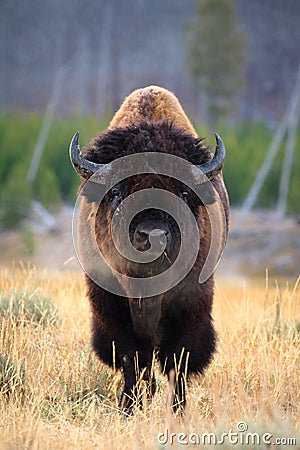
(174, 327)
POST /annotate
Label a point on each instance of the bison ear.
(93, 192)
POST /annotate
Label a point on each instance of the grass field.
(54, 393)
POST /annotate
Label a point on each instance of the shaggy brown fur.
(152, 103)
(175, 326)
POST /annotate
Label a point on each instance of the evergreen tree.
(216, 56)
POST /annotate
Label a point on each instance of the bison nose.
(158, 236)
(145, 238)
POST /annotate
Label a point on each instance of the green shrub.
(15, 197)
(30, 308)
(47, 189)
(12, 377)
(56, 180)
(247, 145)
(85, 384)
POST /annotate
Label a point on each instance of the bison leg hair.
(137, 365)
(132, 394)
(177, 371)
(128, 397)
(190, 357)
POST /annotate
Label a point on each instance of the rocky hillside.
(260, 241)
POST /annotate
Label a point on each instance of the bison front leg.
(149, 378)
(177, 382)
(138, 382)
(176, 367)
(127, 400)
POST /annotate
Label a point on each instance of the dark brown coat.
(175, 326)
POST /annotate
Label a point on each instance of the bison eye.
(184, 195)
(115, 192)
(116, 196)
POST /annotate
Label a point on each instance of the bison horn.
(87, 168)
(83, 166)
(213, 167)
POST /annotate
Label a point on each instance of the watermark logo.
(156, 164)
(240, 436)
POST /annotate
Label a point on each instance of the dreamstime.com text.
(239, 437)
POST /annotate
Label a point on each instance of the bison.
(174, 326)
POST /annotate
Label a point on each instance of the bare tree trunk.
(104, 58)
(273, 150)
(82, 79)
(115, 73)
(290, 149)
(265, 168)
(3, 85)
(48, 117)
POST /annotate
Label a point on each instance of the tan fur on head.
(152, 103)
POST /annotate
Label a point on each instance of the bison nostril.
(141, 236)
(145, 238)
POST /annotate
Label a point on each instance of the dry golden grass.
(68, 399)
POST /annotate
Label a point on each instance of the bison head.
(152, 231)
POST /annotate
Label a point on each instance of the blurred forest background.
(67, 65)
